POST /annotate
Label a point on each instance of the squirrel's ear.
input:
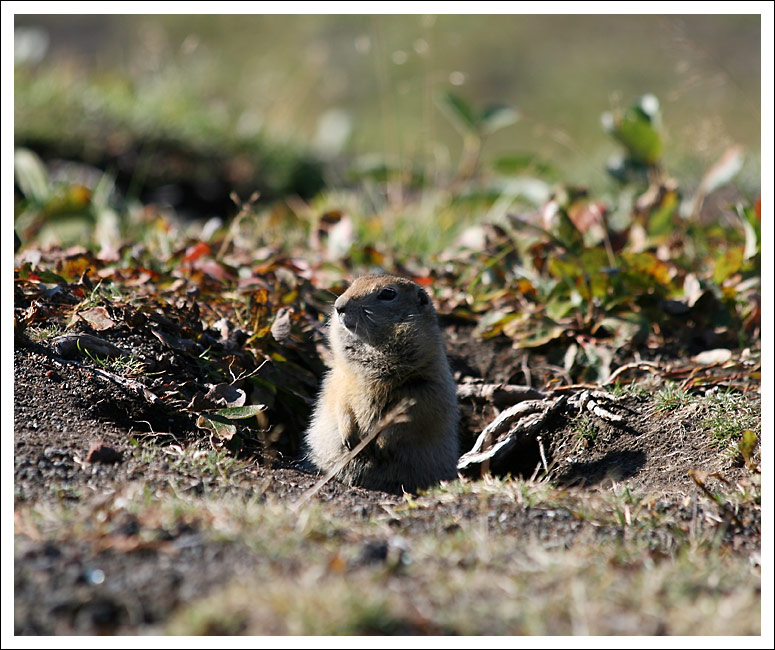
(422, 298)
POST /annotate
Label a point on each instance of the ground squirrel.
(386, 346)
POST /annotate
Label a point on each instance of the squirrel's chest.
(365, 401)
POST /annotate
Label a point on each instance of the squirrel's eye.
(387, 294)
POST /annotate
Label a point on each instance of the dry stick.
(503, 393)
(397, 415)
(649, 365)
(242, 376)
(543, 455)
(572, 388)
(129, 383)
(504, 423)
(484, 468)
(687, 383)
(118, 379)
(244, 210)
(526, 371)
(587, 400)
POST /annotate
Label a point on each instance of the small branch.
(118, 379)
(543, 454)
(500, 395)
(592, 400)
(518, 422)
(129, 383)
(507, 429)
(649, 365)
(502, 423)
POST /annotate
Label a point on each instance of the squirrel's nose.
(340, 305)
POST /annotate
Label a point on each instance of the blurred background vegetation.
(183, 110)
(586, 186)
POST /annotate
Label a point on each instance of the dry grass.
(475, 580)
(446, 563)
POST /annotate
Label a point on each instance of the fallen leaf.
(223, 430)
(281, 326)
(219, 395)
(226, 395)
(196, 251)
(219, 424)
(175, 342)
(709, 357)
(98, 318)
(242, 412)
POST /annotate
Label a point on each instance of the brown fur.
(384, 350)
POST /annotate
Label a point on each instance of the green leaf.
(642, 141)
(31, 176)
(637, 129)
(49, 277)
(727, 265)
(379, 170)
(746, 445)
(660, 222)
(39, 275)
(539, 334)
(627, 328)
(241, 412)
(492, 323)
(223, 430)
(648, 265)
(557, 308)
(459, 112)
(566, 232)
(517, 163)
(219, 424)
(563, 268)
(497, 117)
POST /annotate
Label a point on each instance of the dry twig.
(592, 400)
(649, 365)
(507, 429)
(397, 415)
(500, 395)
(136, 386)
(525, 419)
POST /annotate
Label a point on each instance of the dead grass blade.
(397, 415)
(699, 479)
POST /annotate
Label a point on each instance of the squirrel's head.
(383, 317)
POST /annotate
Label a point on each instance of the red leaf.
(196, 251)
